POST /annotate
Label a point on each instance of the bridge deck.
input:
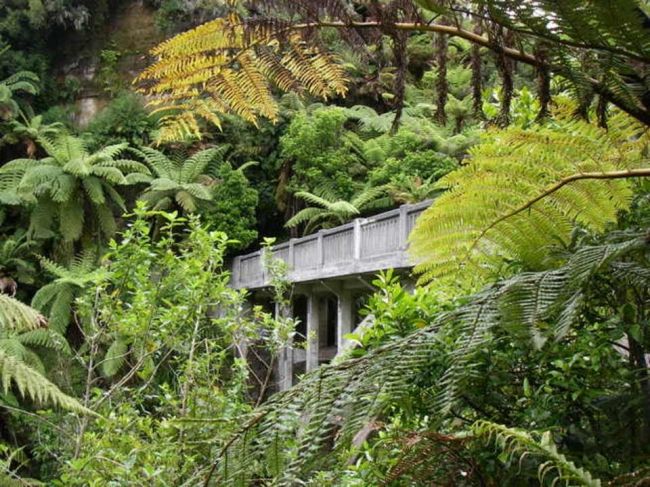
(362, 246)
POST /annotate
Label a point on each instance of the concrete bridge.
(331, 272)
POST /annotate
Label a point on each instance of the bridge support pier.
(313, 331)
(344, 318)
(285, 357)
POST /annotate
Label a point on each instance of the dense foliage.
(517, 352)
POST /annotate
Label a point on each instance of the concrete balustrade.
(363, 246)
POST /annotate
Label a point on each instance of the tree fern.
(20, 327)
(71, 185)
(56, 298)
(475, 225)
(180, 180)
(18, 83)
(329, 211)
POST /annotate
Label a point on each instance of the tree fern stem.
(477, 77)
(401, 59)
(442, 87)
(543, 82)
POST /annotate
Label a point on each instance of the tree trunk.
(505, 67)
(602, 112)
(442, 87)
(477, 77)
(543, 83)
(401, 62)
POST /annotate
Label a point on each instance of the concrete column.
(241, 342)
(285, 357)
(344, 318)
(313, 330)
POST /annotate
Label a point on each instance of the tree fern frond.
(17, 316)
(516, 444)
(44, 338)
(303, 216)
(94, 189)
(185, 201)
(115, 357)
(32, 384)
(476, 219)
(234, 69)
(198, 164)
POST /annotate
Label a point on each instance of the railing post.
(356, 239)
(291, 258)
(320, 250)
(260, 260)
(403, 226)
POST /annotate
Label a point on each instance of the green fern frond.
(33, 385)
(17, 316)
(467, 232)
(115, 357)
(303, 216)
(45, 338)
(516, 444)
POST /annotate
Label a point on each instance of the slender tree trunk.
(442, 87)
(477, 77)
(401, 62)
(543, 83)
(602, 112)
(505, 67)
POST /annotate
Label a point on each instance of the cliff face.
(101, 63)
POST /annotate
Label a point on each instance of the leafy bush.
(125, 120)
(233, 205)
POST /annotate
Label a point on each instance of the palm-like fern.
(318, 418)
(29, 130)
(409, 190)
(56, 298)
(180, 180)
(329, 211)
(476, 225)
(20, 82)
(14, 261)
(21, 327)
(71, 185)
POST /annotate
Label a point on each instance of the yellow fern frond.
(492, 212)
(234, 67)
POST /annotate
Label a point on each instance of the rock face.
(110, 60)
(86, 109)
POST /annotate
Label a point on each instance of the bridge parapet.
(364, 245)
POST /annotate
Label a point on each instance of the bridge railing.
(361, 246)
